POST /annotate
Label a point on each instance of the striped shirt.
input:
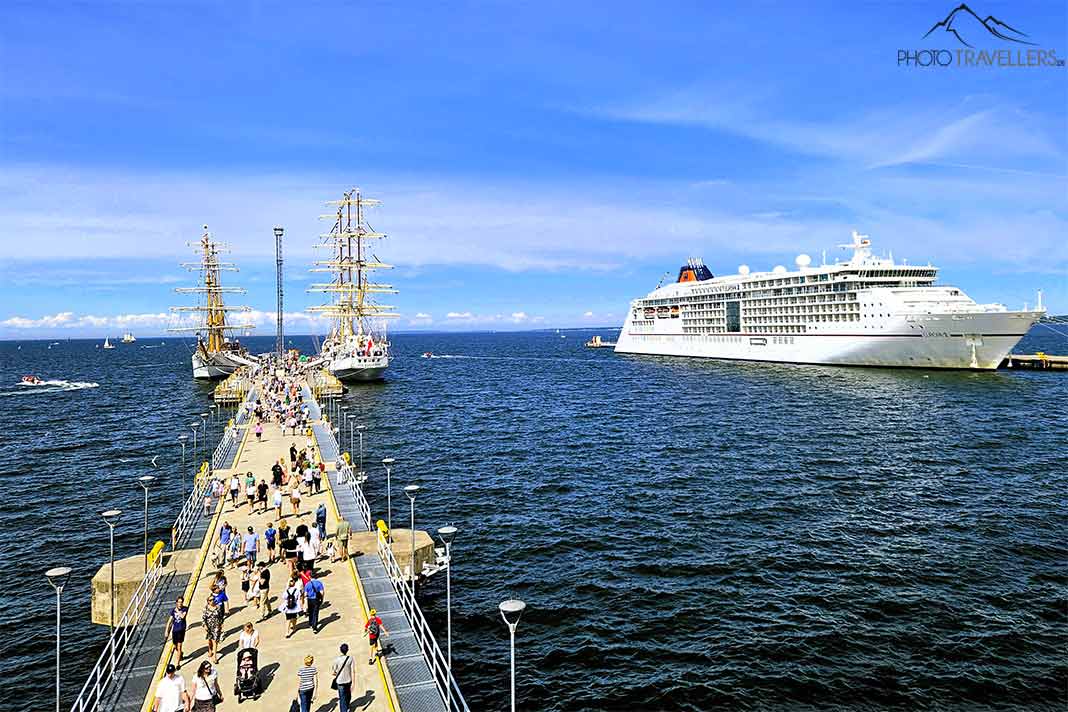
(306, 675)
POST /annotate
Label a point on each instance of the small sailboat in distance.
(108, 344)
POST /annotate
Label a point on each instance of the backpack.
(372, 627)
(291, 599)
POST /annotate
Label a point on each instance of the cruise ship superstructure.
(356, 348)
(868, 311)
(217, 354)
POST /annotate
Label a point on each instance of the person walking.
(320, 519)
(213, 621)
(373, 629)
(235, 487)
(218, 586)
(259, 432)
(225, 532)
(344, 670)
(344, 530)
(251, 543)
(206, 692)
(291, 604)
(277, 471)
(307, 683)
(171, 695)
(294, 498)
(276, 502)
(263, 591)
(293, 456)
(317, 479)
(261, 495)
(250, 490)
(270, 538)
(313, 600)
(176, 625)
(249, 638)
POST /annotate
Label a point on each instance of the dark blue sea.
(688, 535)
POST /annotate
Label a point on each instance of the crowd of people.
(296, 543)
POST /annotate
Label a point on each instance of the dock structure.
(411, 676)
(1036, 362)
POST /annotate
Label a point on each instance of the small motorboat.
(428, 354)
(31, 380)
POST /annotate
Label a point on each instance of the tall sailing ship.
(869, 311)
(357, 348)
(217, 353)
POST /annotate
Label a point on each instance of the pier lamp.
(207, 437)
(193, 426)
(145, 482)
(214, 413)
(111, 517)
(388, 462)
(58, 578)
(411, 491)
(511, 612)
(359, 431)
(447, 534)
(181, 439)
(352, 417)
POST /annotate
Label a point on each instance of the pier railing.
(100, 677)
(424, 636)
(354, 481)
(193, 505)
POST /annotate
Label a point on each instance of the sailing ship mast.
(351, 262)
(214, 311)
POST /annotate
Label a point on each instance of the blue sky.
(540, 164)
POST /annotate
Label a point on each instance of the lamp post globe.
(511, 612)
(145, 481)
(387, 462)
(57, 577)
(411, 491)
(111, 517)
(447, 534)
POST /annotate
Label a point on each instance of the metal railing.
(193, 505)
(435, 658)
(100, 676)
(348, 476)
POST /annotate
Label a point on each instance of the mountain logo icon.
(962, 22)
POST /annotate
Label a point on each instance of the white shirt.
(249, 640)
(235, 483)
(278, 498)
(169, 693)
(204, 689)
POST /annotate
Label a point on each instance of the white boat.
(128, 338)
(868, 311)
(357, 348)
(217, 353)
(107, 344)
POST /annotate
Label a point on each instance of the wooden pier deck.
(342, 615)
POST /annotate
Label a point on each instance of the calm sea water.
(687, 534)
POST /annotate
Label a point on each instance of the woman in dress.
(213, 621)
(205, 689)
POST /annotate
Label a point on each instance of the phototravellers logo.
(964, 30)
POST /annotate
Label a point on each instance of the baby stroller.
(247, 684)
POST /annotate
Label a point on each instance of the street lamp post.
(447, 534)
(111, 517)
(207, 438)
(388, 462)
(352, 417)
(411, 491)
(145, 482)
(182, 438)
(58, 578)
(214, 412)
(511, 611)
(359, 431)
(194, 425)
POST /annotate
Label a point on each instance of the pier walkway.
(412, 674)
(342, 615)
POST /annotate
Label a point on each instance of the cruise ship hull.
(217, 365)
(954, 341)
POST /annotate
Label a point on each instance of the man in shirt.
(344, 674)
(313, 599)
(374, 629)
(170, 693)
(265, 591)
(344, 529)
(252, 546)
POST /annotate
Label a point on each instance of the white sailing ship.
(217, 353)
(357, 348)
(869, 311)
(128, 338)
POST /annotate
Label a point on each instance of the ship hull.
(359, 368)
(976, 341)
(216, 365)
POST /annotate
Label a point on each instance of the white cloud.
(459, 315)
(422, 315)
(519, 316)
(588, 314)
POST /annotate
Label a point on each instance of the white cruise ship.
(868, 311)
